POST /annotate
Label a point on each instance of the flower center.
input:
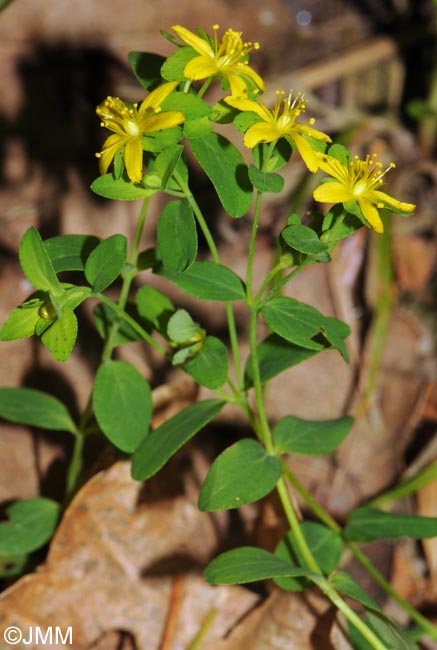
(117, 116)
(131, 127)
(231, 48)
(366, 174)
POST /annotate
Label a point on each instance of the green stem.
(232, 328)
(326, 518)
(205, 87)
(128, 277)
(74, 473)
(196, 643)
(352, 617)
(426, 625)
(278, 285)
(411, 486)
(122, 315)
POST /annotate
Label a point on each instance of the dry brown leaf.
(287, 620)
(111, 567)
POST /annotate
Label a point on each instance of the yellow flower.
(358, 182)
(275, 125)
(130, 123)
(227, 59)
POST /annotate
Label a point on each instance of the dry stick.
(172, 614)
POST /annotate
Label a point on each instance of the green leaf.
(146, 67)
(292, 435)
(347, 585)
(303, 239)
(224, 166)
(197, 128)
(160, 140)
(36, 263)
(248, 564)
(34, 408)
(122, 404)
(243, 473)
(70, 252)
(294, 321)
(31, 524)
(177, 236)
(60, 337)
(335, 331)
(165, 163)
(277, 159)
(173, 68)
(154, 307)
(336, 226)
(208, 281)
(192, 106)
(210, 366)
(22, 320)
(120, 189)
(325, 545)
(265, 181)
(393, 636)
(181, 327)
(162, 443)
(366, 524)
(106, 262)
(276, 355)
(104, 317)
(340, 152)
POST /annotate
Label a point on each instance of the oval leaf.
(120, 189)
(294, 321)
(122, 404)
(208, 281)
(36, 263)
(224, 166)
(146, 66)
(303, 239)
(177, 236)
(163, 442)
(70, 252)
(31, 524)
(105, 263)
(248, 564)
(60, 337)
(367, 524)
(293, 435)
(210, 366)
(34, 408)
(275, 355)
(243, 473)
(265, 181)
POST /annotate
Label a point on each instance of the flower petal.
(133, 159)
(308, 154)
(371, 214)
(260, 132)
(246, 70)
(334, 168)
(332, 192)
(313, 133)
(394, 203)
(237, 83)
(193, 40)
(200, 67)
(161, 121)
(244, 104)
(156, 97)
(109, 149)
